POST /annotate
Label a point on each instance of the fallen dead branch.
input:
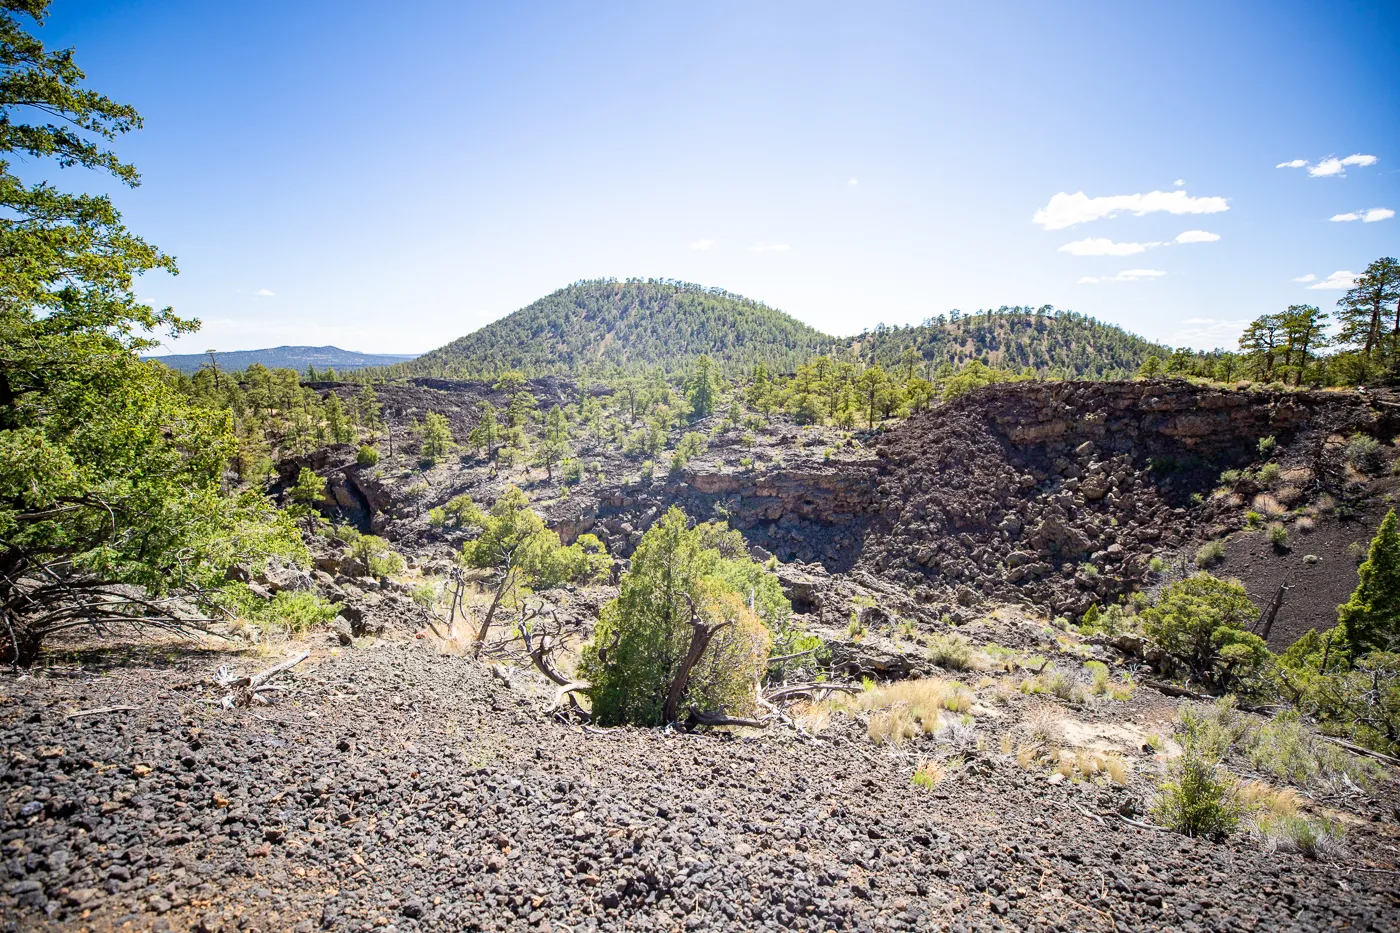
(719, 718)
(244, 691)
(1360, 750)
(100, 711)
(807, 691)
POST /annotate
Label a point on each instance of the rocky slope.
(395, 788)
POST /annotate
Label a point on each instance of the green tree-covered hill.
(601, 326)
(1058, 344)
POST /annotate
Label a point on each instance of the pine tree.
(336, 425)
(1370, 620)
(369, 408)
(1363, 310)
(702, 388)
(436, 438)
(487, 433)
(555, 445)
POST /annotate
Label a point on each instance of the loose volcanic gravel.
(394, 788)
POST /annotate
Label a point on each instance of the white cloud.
(1296, 163)
(1367, 217)
(1333, 166)
(1339, 279)
(853, 181)
(1179, 182)
(1196, 236)
(702, 244)
(1102, 246)
(771, 248)
(1066, 210)
(1127, 275)
(1306, 278)
(265, 293)
(1206, 333)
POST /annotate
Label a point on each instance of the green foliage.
(950, 651)
(435, 439)
(1267, 445)
(702, 387)
(594, 326)
(291, 611)
(975, 375)
(515, 542)
(1196, 798)
(691, 445)
(644, 635)
(368, 456)
(1211, 552)
(109, 474)
(1201, 623)
(1278, 535)
(1365, 453)
(1370, 620)
(426, 594)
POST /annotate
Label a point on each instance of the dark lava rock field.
(396, 788)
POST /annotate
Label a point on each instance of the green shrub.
(573, 472)
(1312, 839)
(1230, 477)
(1278, 535)
(1269, 475)
(950, 651)
(1196, 798)
(291, 611)
(426, 594)
(1253, 519)
(1201, 623)
(1210, 553)
(368, 456)
(1364, 453)
(1267, 445)
(644, 634)
(437, 517)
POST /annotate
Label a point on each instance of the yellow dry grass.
(1266, 504)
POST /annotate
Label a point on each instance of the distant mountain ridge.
(600, 325)
(298, 358)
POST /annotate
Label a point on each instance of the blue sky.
(387, 177)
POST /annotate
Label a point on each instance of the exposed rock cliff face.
(1059, 493)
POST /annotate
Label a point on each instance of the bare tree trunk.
(700, 636)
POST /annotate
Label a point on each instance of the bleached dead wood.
(243, 691)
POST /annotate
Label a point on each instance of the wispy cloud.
(1367, 217)
(1067, 210)
(1101, 246)
(265, 293)
(1127, 275)
(1196, 236)
(702, 244)
(1179, 182)
(1331, 166)
(771, 248)
(1306, 278)
(853, 181)
(1205, 333)
(1338, 280)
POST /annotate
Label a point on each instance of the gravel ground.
(396, 788)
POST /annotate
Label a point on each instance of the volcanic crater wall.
(1059, 493)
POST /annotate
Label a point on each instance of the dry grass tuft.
(929, 774)
(1266, 504)
(1305, 525)
(1297, 476)
(1256, 795)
